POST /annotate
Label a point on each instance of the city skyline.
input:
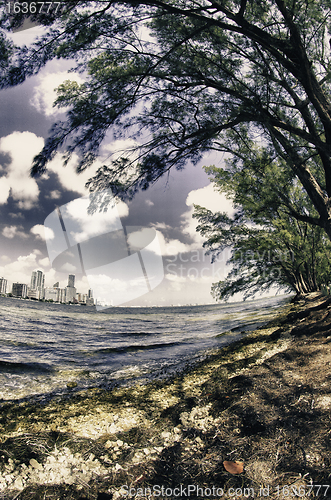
(38, 291)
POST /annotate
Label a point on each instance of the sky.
(26, 115)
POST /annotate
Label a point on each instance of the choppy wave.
(10, 367)
(45, 347)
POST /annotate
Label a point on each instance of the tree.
(269, 246)
(6, 50)
(178, 75)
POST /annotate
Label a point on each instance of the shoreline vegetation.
(262, 402)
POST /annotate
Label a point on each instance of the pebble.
(35, 464)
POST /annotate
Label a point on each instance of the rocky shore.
(261, 405)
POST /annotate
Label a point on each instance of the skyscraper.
(70, 289)
(37, 280)
(33, 283)
(89, 298)
(20, 290)
(3, 285)
(71, 280)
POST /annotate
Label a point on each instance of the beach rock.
(35, 464)
(71, 385)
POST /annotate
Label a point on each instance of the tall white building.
(71, 290)
(71, 280)
(3, 285)
(70, 294)
(62, 295)
(37, 280)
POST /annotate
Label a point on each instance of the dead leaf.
(234, 467)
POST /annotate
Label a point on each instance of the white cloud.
(162, 225)
(44, 92)
(25, 204)
(67, 267)
(12, 231)
(42, 232)
(206, 197)
(81, 226)
(116, 291)
(27, 36)
(176, 278)
(22, 147)
(9, 231)
(149, 203)
(4, 190)
(177, 284)
(140, 238)
(54, 195)
(189, 227)
(73, 181)
(172, 247)
(68, 176)
(44, 262)
(117, 148)
(20, 270)
(209, 198)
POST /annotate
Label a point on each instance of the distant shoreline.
(26, 299)
(289, 296)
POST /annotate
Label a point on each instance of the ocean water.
(44, 347)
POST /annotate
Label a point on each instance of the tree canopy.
(186, 76)
(269, 246)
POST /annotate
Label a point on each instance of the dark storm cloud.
(17, 114)
(10, 215)
(168, 196)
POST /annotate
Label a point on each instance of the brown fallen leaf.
(234, 467)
